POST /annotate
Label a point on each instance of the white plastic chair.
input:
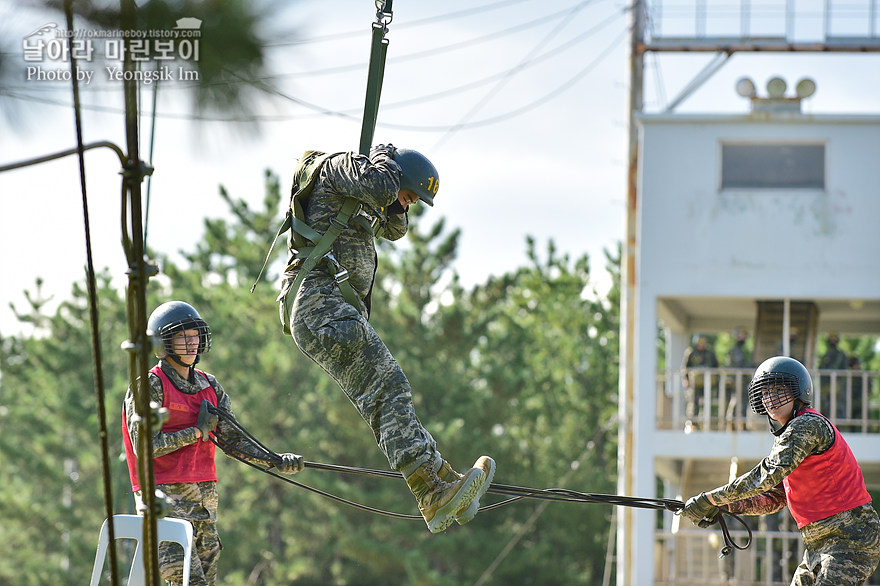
(131, 527)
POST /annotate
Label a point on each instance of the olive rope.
(515, 492)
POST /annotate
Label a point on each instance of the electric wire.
(556, 92)
(317, 110)
(412, 24)
(442, 50)
(569, 15)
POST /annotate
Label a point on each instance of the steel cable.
(515, 493)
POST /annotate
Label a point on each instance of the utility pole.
(629, 282)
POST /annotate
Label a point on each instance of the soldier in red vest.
(812, 470)
(183, 463)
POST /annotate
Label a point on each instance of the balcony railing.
(717, 399)
(690, 558)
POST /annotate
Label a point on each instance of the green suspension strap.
(307, 243)
(376, 73)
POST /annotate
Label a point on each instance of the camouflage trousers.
(197, 503)
(842, 550)
(338, 338)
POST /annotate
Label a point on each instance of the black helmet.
(418, 174)
(176, 316)
(778, 381)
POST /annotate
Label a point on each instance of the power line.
(353, 113)
(442, 50)
(411, 24)
(503, 81)
(527, 107)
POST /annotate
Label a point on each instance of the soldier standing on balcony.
(738, 357)
(812, 470)
(697, 356)
(833, 359)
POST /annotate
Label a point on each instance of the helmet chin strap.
(776, 428)
(176, 358)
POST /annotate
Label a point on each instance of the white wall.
(696, 240)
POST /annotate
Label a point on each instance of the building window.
(773, 166)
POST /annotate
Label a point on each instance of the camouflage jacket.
(165, 443)
(738, 357)
(759, 491)
(834, 359)
(374, 181)
(700, 358)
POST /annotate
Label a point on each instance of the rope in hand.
(514, 492)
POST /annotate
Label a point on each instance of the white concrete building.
(769, 221)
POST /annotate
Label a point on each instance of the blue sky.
(521, 105)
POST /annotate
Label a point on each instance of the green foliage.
(523, 368)
(51, 483)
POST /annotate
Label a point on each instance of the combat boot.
(440, 501)
(448, 474)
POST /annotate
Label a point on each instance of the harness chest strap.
(311, 245)
(321, 250)
(304, 178)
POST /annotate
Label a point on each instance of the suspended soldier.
(812, 470)
(183, 465)
(339, 204)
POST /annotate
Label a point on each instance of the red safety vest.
(191, 463)
(825, 484)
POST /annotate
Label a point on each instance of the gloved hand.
(700, 511)
(376, 149)
(396, 208)
(207, 421)
(290, 464)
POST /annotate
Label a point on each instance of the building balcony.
(690, 557)
(716, 399)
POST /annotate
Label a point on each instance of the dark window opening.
(773, 166)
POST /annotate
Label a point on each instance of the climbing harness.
(515, 493)
(308, 246)
(307, 243)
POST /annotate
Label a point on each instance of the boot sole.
(445, 515)
(467, 515)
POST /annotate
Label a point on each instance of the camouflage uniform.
(694, 381)
(738, 357)
(337, 335)
(833, 359)
(841, 550)
(194, 501)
